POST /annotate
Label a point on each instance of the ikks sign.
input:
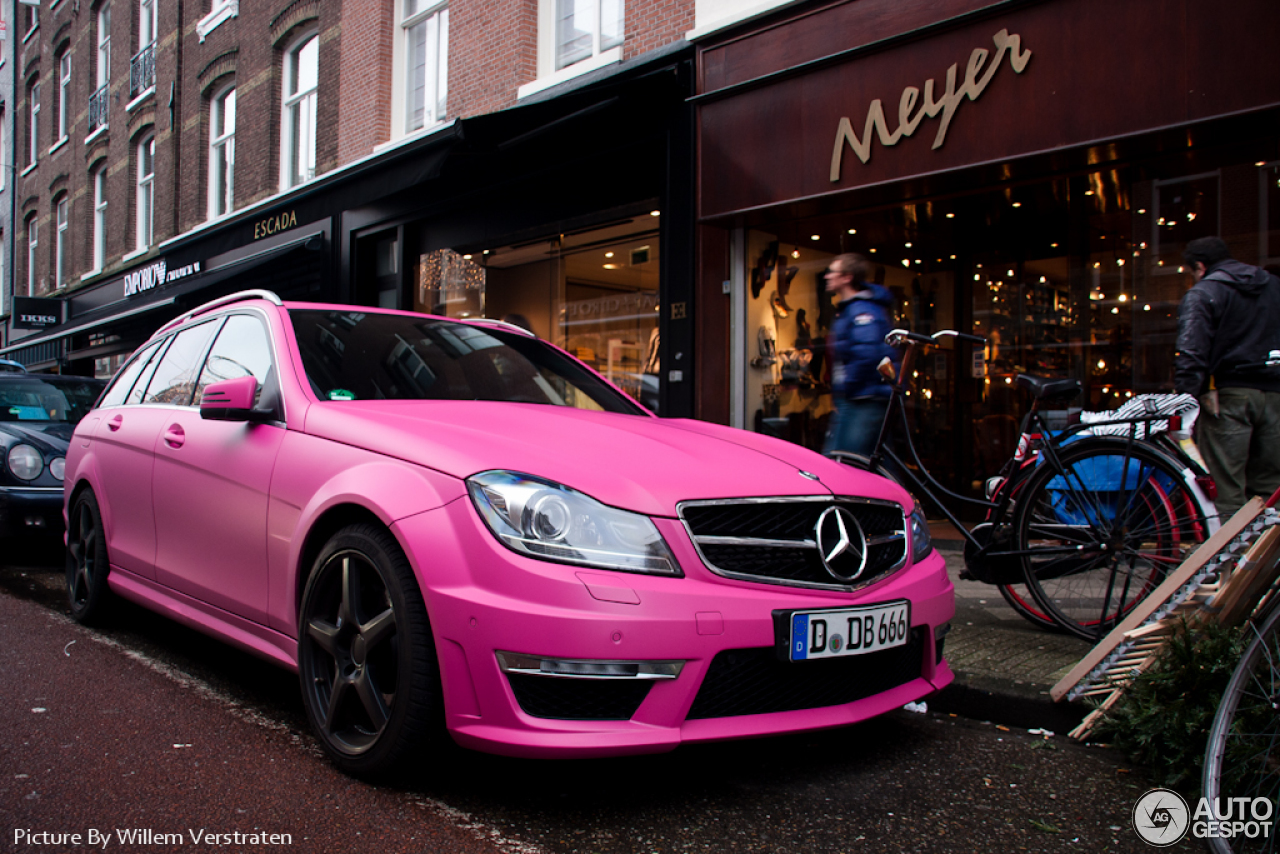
(912, 109)
(36, 312)
(154, 275)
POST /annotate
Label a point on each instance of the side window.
(120, 386)
(242, 350)
(175, 376)
(140, 387)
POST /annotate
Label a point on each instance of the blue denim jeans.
(855, 425)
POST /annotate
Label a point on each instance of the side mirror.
(230, 400)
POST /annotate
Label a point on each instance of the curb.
(1008, 708)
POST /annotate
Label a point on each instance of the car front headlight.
(921, 539)
(25, 462)
(58, 467)
(547, 520)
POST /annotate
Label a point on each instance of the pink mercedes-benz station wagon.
(454, 526)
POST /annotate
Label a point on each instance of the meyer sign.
(912, 109)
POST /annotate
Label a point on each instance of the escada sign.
(274, 224)
(912, 109)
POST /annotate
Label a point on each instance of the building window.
(64, 90)
(426, 40)
(33, 245)
(98, 100)
(222, 153)
(99, 217)
(33, 142)
(298, 136)
(142, 68)
(4, 169)
(30, 19)
(60, 246)
(146, 191)
(585, 28)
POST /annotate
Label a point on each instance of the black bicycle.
(1078, 528)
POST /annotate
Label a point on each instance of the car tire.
(87, 562)
(366, 658)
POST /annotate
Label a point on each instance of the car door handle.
(115, 423)
(174, 437)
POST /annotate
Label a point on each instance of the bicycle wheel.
(1242, 758)
(1100, 527)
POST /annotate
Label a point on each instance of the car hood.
(638, 463)
(49, 437)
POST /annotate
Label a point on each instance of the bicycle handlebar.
(896, 337)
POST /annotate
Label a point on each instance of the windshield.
(354, 355)
(52, 398)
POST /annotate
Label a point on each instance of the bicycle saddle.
(1043, 388)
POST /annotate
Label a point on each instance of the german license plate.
(849, 631)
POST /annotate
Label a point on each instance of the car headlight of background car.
(921, 539)
(547, 520)
(25, 462)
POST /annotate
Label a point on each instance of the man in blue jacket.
(1227, 324)
(861, 394)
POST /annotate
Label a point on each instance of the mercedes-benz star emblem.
(841, 543)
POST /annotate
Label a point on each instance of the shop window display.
(1079, 276)
(594, 292)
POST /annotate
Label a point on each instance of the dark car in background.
(38, 413)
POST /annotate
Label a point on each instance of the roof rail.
(241, 296)
(501, 324)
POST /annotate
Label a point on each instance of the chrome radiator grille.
(776, 540)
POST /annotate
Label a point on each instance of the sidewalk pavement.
(1004, 665)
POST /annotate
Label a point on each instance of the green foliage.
(1162, 719)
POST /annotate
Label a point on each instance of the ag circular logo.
(1161, 818)
(841, 543)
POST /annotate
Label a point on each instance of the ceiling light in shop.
(608, 254)
(1123, 298)
(655, 213)
(853, 231)
(977, 277)
(1102, 365)
(1261, 163)
(611, 266)
(907, 244)
(1119, 262)
(1044, 279)
(795, 253)
(466, 257)
(906, 262)
(953, 257)
(1147, 307)
(1191, 217)
(815, 237)
(951, 216)
(1142, 211)
(1017, 204)
(1181, 270)
(1115, 311)
(1053, 245)
(873, 249)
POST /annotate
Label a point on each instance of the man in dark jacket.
(1227, 325)
(856, 342)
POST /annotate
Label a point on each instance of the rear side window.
(125, 379)
(174, 381)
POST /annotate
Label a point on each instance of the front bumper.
(484, 600)
(30, 511)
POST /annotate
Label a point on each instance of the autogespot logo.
(1161, 818)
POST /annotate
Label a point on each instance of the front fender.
(324, 477)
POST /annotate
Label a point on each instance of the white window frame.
(145, 196)
(434, 16)
(33, 113)
(60, 243)
(548, 74)
(4, 169)
(298, 117)
(64, 93)
(219, 12)
(99, 218)
(33, 250)
(222, 153)
(595, 13)
(148, 19)
(104, 46)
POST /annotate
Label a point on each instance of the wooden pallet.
(1222, 580)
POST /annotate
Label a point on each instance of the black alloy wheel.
(366, 658)
(87, 564)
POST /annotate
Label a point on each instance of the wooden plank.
(1253, 574)
(1144, 609)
